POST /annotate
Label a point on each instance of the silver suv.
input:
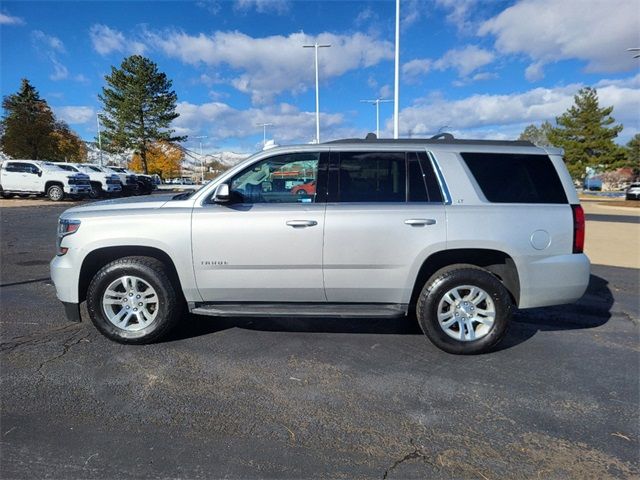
(455, 232)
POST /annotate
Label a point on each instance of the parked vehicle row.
(74, 180)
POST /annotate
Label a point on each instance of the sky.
(477, 69)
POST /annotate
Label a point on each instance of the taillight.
(578, 228)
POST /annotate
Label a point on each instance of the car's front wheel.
(464, 310)
(55, 193)
(132, 300)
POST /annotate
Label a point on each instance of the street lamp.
(377, 103)
(99, 136)
(264, 132)
(316, 46)
(396, 82)
(201, 137)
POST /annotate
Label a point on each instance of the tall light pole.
(264, 131)
(377, 103)
(316, 46)
(99, 136)
(201, 137)
(396, 82)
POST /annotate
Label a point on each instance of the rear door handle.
(420, 222)
(301, 223)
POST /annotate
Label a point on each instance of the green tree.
(632, 151)
(586, 132)
(28, 124)
(139, 107)
(537, 135)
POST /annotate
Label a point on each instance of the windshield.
(95, 169)
(68, 168)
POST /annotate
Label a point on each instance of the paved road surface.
(303, 398)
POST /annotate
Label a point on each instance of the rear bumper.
(554, 280)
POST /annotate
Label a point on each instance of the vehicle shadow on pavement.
(593, 310)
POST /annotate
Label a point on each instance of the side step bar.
(334, 310)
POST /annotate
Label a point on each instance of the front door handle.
(420, 222)
(301, 223)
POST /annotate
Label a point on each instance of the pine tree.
(28, 125)
(632, 151)
(139, 107)
(537, 135)
(586, 133)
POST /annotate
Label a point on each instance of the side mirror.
(222, 193)
(39, 173)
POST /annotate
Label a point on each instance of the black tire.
(444, 281)
(96, 191)
(55, 193)
(152, 271)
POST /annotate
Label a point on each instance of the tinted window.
(417, 186)
(509, 178)
(372, 177)
(281, 179)
(21, 167)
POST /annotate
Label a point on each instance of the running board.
(335, 310)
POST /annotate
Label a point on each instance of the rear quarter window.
(515, 178)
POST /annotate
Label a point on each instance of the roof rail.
(439, 139)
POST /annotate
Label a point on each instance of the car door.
(385, 215)
(265, 244)
(17, 176)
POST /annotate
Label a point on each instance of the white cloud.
(221, 122)
(279, 7)
(50, 47)
(596, 31)
(415, 69)
(459, 12)
(534, 72)
(76, 114)
(270, 65)
(507, 113)
(48, 42)
(107, 40)
(465, 60)
(6, 19)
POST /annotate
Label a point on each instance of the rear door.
(265, 245)
(385, 214)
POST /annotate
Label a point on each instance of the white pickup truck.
(33, 177)
(102, 183)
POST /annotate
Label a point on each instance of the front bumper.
(112, 188)
(633, 196)
(77, 189)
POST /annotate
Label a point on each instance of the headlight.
(65, 227)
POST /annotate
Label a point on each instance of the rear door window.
(516, 178)
(372, 177)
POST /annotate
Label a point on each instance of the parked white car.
(102, 183)
(29, 177)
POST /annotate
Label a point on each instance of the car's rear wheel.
(464, 310)
(96, 191)
(132, 300)
(55, 193)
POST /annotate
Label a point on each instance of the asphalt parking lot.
(303, 398)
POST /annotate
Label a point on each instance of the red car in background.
(306, 189)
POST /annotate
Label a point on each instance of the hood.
(146, 202)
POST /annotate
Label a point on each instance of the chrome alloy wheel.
(130, 303)
(466, 313)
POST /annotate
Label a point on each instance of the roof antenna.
(442, 136)
(371, 136)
